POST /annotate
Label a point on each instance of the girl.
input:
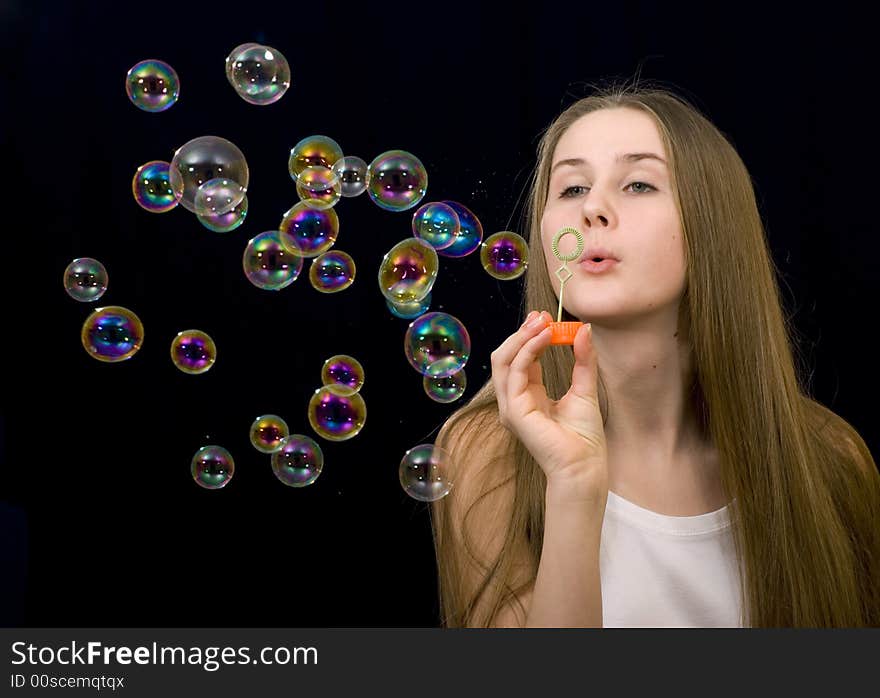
(669, 468)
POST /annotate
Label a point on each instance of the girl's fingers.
(524, 368)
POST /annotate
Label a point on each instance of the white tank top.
(667, 571)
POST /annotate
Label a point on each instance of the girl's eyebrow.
(621, 157)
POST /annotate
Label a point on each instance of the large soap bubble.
(193, 351)
(332, 271)
(212, 467)
(437, 344)
(298, 460)
(259, 74)
(308, 231)
(313, 151)
(230, 59)
(408, 271)
(504, 255)
(352, 173)
(318, 187)
(268, 264)
(396, 180)
(267, 433)
(437, 224)
(203, 159)
(85, 279)
(424, 472)
(446, 389)
(336, 413)
(217, 196)
(343, 371)
(151, 186)
(112, 334)
(470, 233)
(152, 85)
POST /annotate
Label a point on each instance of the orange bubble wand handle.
(564, 332)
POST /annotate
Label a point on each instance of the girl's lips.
(597, 267)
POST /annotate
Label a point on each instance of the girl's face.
(624, 206)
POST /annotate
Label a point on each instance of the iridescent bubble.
(112, 334)
(446, 389)
(226, 222)
(85, 279)
(218, 196)
(332, 271)
(259, 74)
(212, 467)
(437, 344)
(437, 224)
(318, 187)
(424, 472)
(505, 255)
(308, 231)
(268, 264)
(469, 236)
(193, 351)
(201, 160)
(352, 173)
(152, 85)
(408, 271)
(343, 371)
(396, 180)
(312, 151)
(268, 432)
(151, 186)
(298, 461)
(230, 59)
(408, 311)
(335, 414)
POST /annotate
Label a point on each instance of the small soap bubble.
(212, 467)
(352, 173)
(437, 224)
(308, 231)
(437, 344)
(313, 151)
(504, 255)
(193, 351)
(268, 264)
(226, 222)
(85, 279)
(336, 415)
(424, 472)
(446, 389)
(411, 310)
(112, 334)
(332, 271)
(344, 372)
(469, 235)
(218, 196)
(259, 74)
(318, 187)
(298, 461)
(152, 85)
(408, 271)
(396, 180)
(201, 160)
(151, 186)
(230, 59)
(268, 432)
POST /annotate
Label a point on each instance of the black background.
(102, 524)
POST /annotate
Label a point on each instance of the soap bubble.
(230, 59)
(226, 222)
(396, 180)
(344, 372)
(408, 311)
(332, 271)
(298, 460)
(212, 467)
(152, 85)
(352, 173)
(424, 472)
(85, 279)
(308, 231)
(268, 432)
(151, 186)
(218, 196)
(259, 74)
(437, 345)
(203, 159)
(193, 351)
(437, 224)
(318, 187)
(312, 151)
(446, 389)
(268, 264)
(336, 415)
(112, 334)
(504, 255)
(469, 236)
(408, 271)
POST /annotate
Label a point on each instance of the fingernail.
(529, 317)
(536, 320)
(590, 329)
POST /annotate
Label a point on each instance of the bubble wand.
(564, 332)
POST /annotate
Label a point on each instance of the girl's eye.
(569, 192)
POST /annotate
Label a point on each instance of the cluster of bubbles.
(337, 410)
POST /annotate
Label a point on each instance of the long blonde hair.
(806, 488)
